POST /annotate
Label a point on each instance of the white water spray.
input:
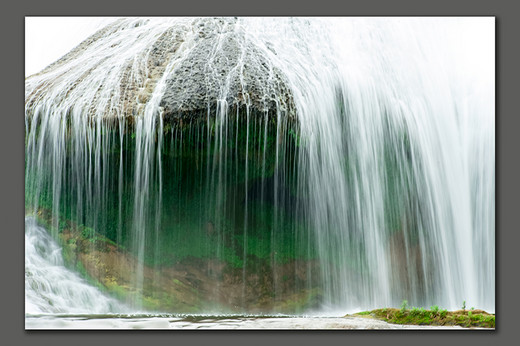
(52, 288)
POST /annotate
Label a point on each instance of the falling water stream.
(51, 288)
(347, 160)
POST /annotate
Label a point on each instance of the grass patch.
(433, 317)
(364, 313)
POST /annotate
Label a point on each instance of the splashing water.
(354, 156)
(52, 288)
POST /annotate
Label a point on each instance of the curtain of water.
(387, 110)
(387, 169)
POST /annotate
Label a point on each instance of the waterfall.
(343, 163)
(52, 288)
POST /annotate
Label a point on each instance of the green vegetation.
(301, 301)
(211, 176)
(404, 305)
(110, 267)
(434, 316)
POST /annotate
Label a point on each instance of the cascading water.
(52, 288)
(248, 164)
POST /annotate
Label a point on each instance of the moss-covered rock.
(434, 317)
(191, 284)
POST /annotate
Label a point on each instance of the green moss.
(363, 313)
(301, 302)
(151, 303)
(194, 175)
(434, 316)
(225, 182)
(118, 291)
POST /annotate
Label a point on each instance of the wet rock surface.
(190, 66)
(224, 68)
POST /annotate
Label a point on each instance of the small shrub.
(404, 306)
(87, 233)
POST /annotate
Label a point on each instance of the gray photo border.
(12, 146)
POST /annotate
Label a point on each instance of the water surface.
(251, 322)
